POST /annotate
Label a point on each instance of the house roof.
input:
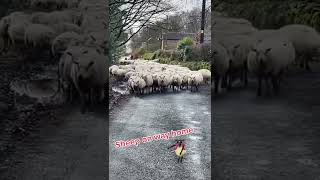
(177, 35)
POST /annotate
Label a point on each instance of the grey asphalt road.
(154, 114)
(269, 137)
(68, 147)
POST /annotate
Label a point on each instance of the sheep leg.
(306, 62)
(259, 85)
(83, 102)
(216, 83)
(245, 74)
(275, 84)
(91, 99)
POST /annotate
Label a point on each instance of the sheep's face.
(262, 57)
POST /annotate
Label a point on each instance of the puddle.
(43, 90)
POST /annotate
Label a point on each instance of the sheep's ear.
(93, 38)
(268, 50)
(91, 63)
(69, 53)
(237, 46)
(254, 49)
(75, 62)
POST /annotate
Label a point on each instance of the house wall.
(171, 45)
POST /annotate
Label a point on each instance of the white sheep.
(16, 32)
(89, 76)
(63, 27)
(176, 82)
(224, 26)
(238, 47)
(147, 77)
(164, 80)
(221, 63)
(195, 79)
(39, 35)
(206, 75)
(62, 41)
(305, 39)
(136, 84)
(270, 59)
(55, 17)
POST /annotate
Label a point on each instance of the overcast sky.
(187, 5)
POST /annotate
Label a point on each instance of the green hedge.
(192, 65)
(197, 53)
(265, 14)
(148, 56)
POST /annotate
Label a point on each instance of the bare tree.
(132, 14)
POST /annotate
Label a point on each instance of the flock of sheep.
(74, 36)
(239, 49)
(149, 76)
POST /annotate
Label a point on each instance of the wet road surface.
(68, 147)
(269, 137)
(154, 114)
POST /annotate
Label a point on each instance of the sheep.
(16, 32)
(176, 82)
(120, 73)
(39, 35)
(64, 76)
(221, 61)
(155, 83)
(238, 47)
(269, 59)
(63, 27)
(164, 80)
(206, 75)
(64, 69)
(88, 74)
(113, 69)
(97, 40)
(62, 41)
(195, 79)
(16, 23)
(262, 34)
(231, 26)
(136, 84)
(184, 81)
(149, 81)
(305, 39)
(55, 17)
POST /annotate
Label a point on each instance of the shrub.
(194, 66)
(148, 56)
(185, 42)
(176, 55)
(163, 53)
(197, 53)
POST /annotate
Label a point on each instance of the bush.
(185, 42)
(194, 66)
(162, 53)
(148, 56)
(176, 55)
(197, 53)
